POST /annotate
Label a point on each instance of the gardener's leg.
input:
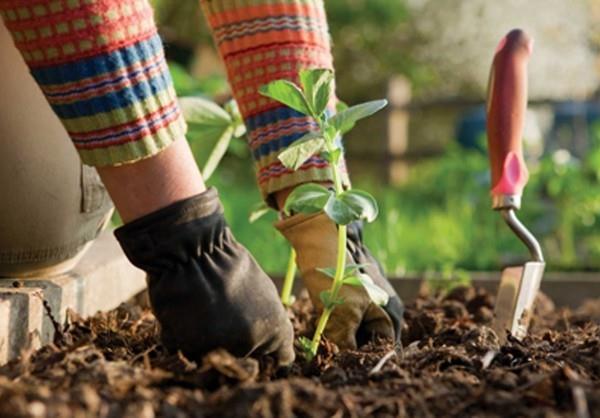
(51, 207)
(262, 41)
(265, 40)
(101, 65)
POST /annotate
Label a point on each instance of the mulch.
(450, 364)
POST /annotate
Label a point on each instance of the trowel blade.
(516, 295)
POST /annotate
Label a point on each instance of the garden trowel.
(506, 107)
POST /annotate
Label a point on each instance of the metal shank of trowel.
(523, 233)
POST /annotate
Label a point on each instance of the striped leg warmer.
(261, 41)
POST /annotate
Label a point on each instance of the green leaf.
(331, 133)
(352, 281)
(361, 203)
(340, 106)
(328, 271)
(322, 97)
(345, 120)
(258, 211)
(217, 153)
(288, 93)
(307, 198)
(340, 212)
(328, 301)
(301, 150)
(350, 206)
(211, 123)
(239, 128)
(199, 111)
(204, 139)
(349, 270)
(333, 157)
(317, 88)
(376, 293)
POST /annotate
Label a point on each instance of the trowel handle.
(506, 107)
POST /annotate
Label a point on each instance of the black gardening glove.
(361, 255)
(205, 289)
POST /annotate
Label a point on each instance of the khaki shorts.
(51, 206)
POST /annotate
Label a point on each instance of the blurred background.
(424, 158)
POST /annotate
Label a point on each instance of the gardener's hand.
(205, 288)
(314, 237)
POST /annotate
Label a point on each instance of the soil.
(450, 365)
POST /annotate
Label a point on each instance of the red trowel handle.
(506, 106)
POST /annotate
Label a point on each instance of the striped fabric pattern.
(101, 66)
(261, 41)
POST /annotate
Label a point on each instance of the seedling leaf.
(327, 300)
(345, 120)
(339, 211)
(350, 206)
(328, 271)
(376, 293)
(301, 150)
(361, 203)
(340, 106)
(333, 157)
(350, 270)
(332, 132)
(352, 281)
(308, 198)
(317, 88)
(288, 93)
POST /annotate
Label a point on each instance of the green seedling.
(217, 124)
(343, 206)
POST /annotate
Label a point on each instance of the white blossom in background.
(459, 38)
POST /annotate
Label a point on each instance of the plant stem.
(340, 267)
(314, 344)
(288, 282)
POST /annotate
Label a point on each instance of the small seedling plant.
(342, 205)
(218, 125)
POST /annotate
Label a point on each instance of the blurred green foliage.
(441, 219)
(372, 40)
(186, 85)
(181, 21)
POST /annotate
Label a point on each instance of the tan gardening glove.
(358, 319)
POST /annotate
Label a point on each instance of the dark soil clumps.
(450, 365)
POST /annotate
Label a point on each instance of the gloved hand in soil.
(358, 319)
(206, 290)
